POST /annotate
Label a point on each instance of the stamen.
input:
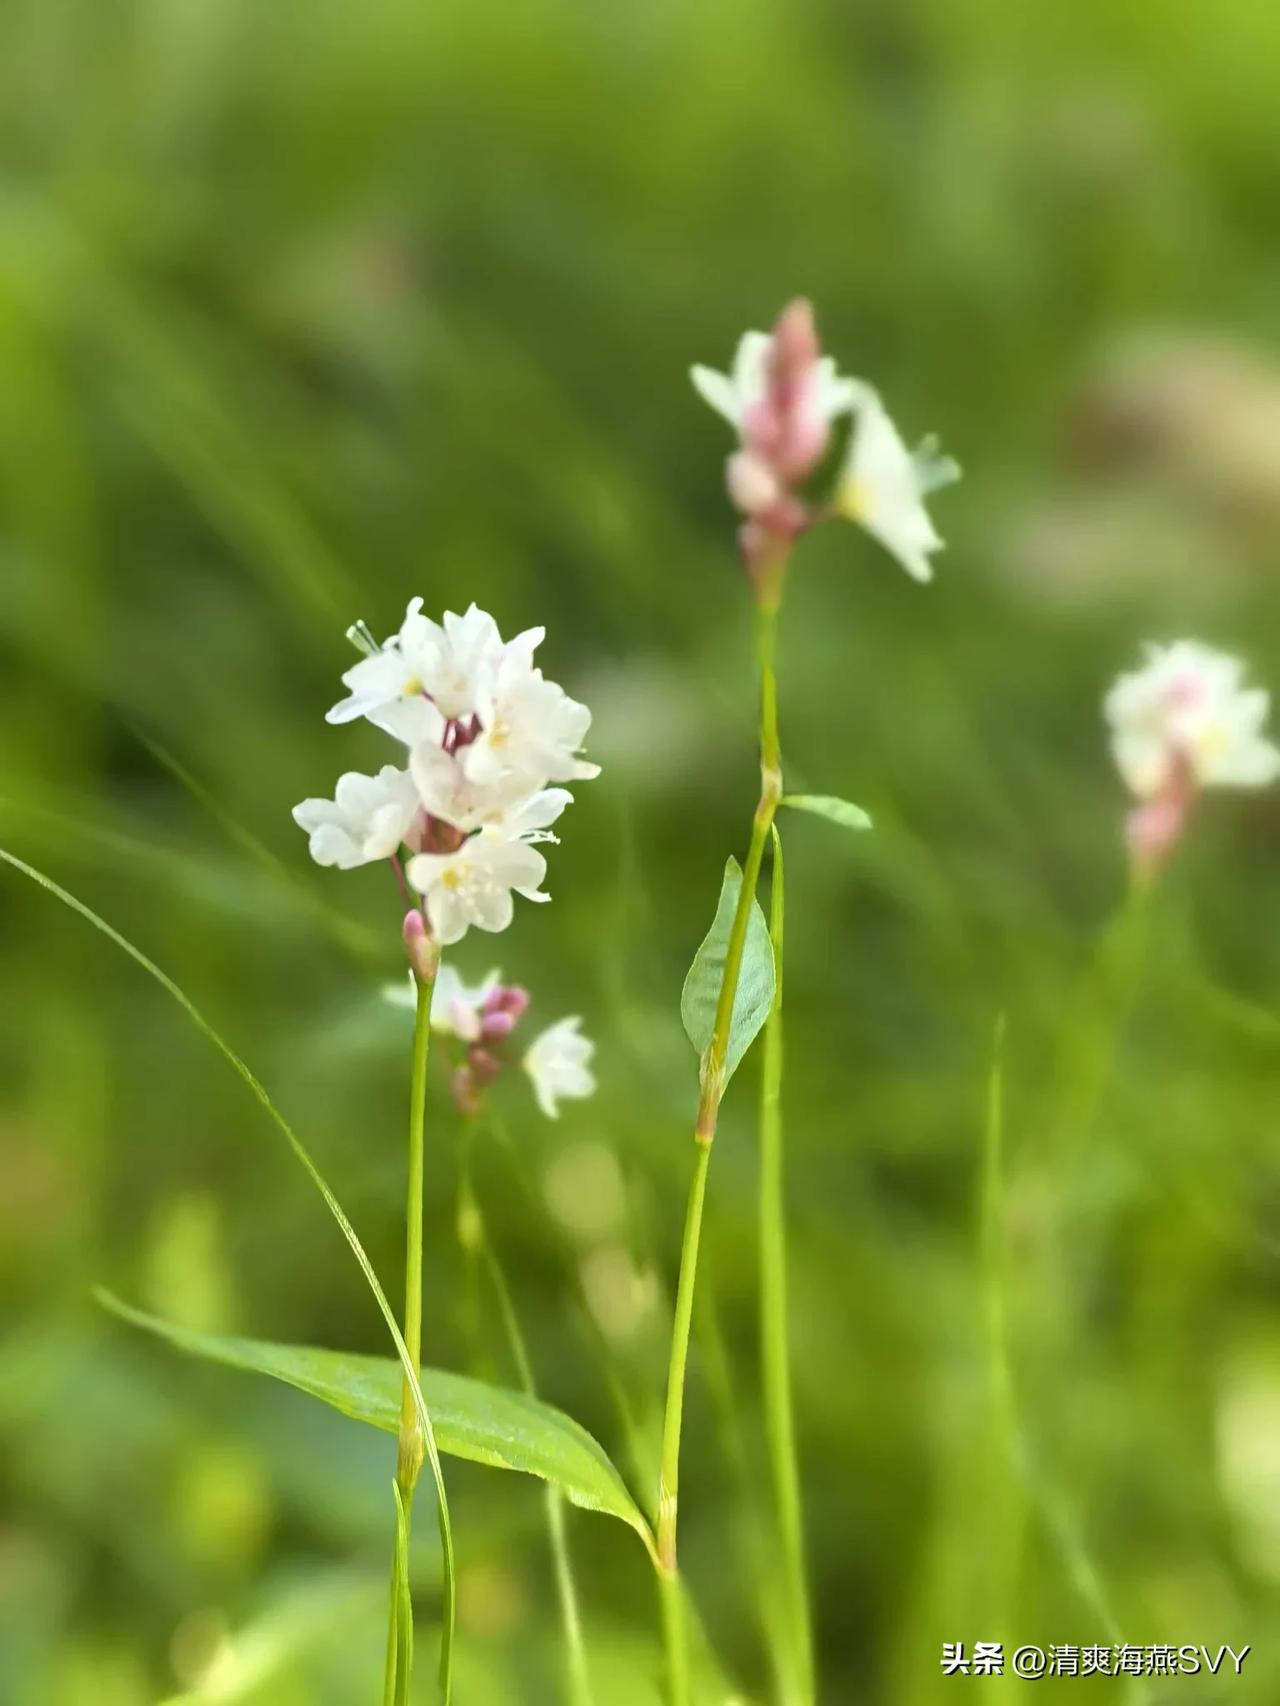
(361, 637)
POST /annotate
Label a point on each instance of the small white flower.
(734, 394)
(367, 819)
(428, 674)
(1187, 706)
(530, 729)
(504, 806)
(395, 674)
(883, 486)
(474, 885)
(455, 1008)
(558, 1062)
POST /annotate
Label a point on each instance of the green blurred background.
(309, 307)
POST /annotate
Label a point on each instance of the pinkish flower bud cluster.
(782, 396)
(787, 398)
(482, 1018)
(1154, 827)
(503, 1007)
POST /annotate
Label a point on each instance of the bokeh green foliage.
(309, 307)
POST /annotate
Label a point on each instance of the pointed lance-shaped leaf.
(472, 1419)
(830, 806)
(754, 995)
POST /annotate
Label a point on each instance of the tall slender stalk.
(713, 1075)
(412, 1446)
(775, 1354)
(580, 1693)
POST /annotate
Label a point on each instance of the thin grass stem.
(412, 1445)
(775, 1350)
(579, 1677)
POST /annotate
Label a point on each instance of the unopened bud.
(470, 1225)
(508, 998)
(484, 1067)
(421, 946)
(1154, 829)
(495, 1026)
(466, 1092)
(803, 428)
(753, 485)
(795, 339)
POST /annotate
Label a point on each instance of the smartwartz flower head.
(484, 734)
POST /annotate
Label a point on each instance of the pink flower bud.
(494, 1026)
(761, 428)
(803, 430)
(753, 485)
(484, 1066)
(1154, 828)
(795, 339)
(466, 1092)
(507, 998)
(420, 945)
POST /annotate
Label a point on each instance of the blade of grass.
(358, 942)
(1059, 1521)
(260, 1094)
(472, 1218)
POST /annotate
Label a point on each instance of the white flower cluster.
(485, 737)
(481, 1019)
(782, 398)
(1187, 713)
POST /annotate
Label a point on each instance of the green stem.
(675, 1638)
(412, 1444)
(704, 1133)
(774, 1333)
(566, 1587)
(669, 1486)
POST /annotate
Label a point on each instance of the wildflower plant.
(784, 399)
(459, 820)
(483, 735)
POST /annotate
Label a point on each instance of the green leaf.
(830, 806)
(754, 995)
(472, 1419)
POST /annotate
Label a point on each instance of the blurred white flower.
(736, 393)
(456, 1008)
(475, 883)
(368, 818)
(558, 1062)
(585, 1190)
(1187, 712)
(883, 486)
(621, 1295)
